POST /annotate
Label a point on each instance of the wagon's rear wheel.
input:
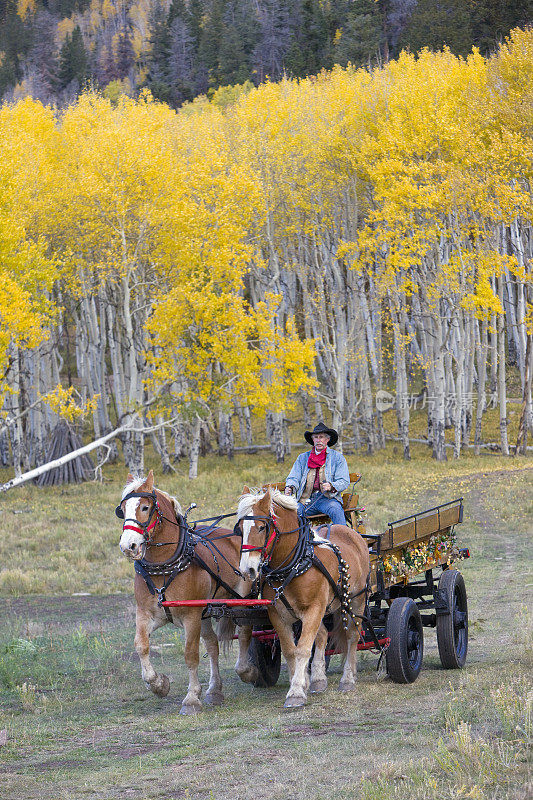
(267, 658)
(406, 649)
(452, 628)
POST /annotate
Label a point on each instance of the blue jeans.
(323, 505)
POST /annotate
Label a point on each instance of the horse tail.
(338, 638)
(225, 633)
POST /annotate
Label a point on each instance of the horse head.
(261, 527)
(140, 508)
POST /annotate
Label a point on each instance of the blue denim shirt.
(335, 472)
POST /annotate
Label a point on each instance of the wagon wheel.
(267, 658)
(405, 652)
(452, 628)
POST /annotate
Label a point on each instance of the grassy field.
(77, 722)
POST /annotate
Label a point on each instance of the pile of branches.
(64, 440)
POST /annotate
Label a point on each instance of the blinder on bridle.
(144, 527)
(270, 535)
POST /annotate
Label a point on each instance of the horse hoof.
(294, 703)
(249, 675)
(347, 687)
(190, 709)
(214, 699)
(318, 686)
(161, 686)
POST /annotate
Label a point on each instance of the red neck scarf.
(316, 460)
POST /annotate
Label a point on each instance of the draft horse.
(307, 577)
(172, 562)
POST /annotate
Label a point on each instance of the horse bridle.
(144, 528)
(272, 534)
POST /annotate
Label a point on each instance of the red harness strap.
(267, 544)
(139, 529)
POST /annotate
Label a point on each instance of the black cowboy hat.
(321, 428)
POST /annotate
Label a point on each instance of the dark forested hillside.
(51, 49)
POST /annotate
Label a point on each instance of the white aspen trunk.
(306, 408)
(481, 389)
(159, 442)
(439, 440)
(459, 407)
(376, 328)
(502, 388)
(134, 442)
(367, 419)
(518, 252)
(402, 397)
(179, 433)
(15, 430)
(276, 434)
(450, 391)
(117, 362)
(245, 425)
(469, 393)
(226, 444)
(371, 336)
(194, 448)
(513, 340)
(423, 324)
(524, 425)
(493, 349)
(84, 330)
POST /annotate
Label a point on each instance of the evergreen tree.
(211, 39)
(439, 23)
(181, 63)
(125, 55)
(360, 38)
(492, 20)
(239, 36)
(15, 42)
(274, 40)
(310, 45)
(193, 17)
(73, 59)
(158, 78)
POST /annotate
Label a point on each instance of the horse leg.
(192, 624)
(214, 695)
(247, 672)
(319, 680)
(286, 639)
(297, 694)
(349, 674)
(145, 625)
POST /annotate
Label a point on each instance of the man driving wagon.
(319, 477)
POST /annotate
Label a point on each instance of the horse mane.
(247, 501)
(137, 481)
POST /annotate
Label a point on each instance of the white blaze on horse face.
(249, 563)
(131, 542)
